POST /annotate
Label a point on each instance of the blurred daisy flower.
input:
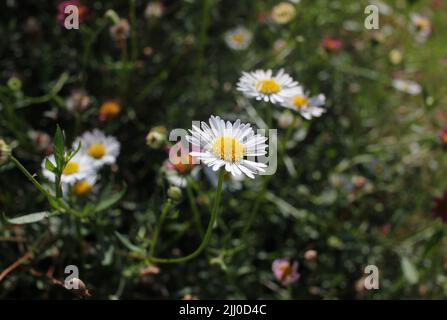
(238, 38)
(285, 271)
(42, 141)
(411, 87)
(119, 32)
(308, 107)
(77, 101)
(78, 168)
(84, 187)
(154, 10)
(156, 138)
(283, 13)
(443, 135)
(228, 145)
(109, 109)
(101, 149)
(395, 56)
(262, 85)
(421, 26)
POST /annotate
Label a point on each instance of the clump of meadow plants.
(202, 149)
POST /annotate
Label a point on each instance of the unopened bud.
(156, 137)
(5, 152)
(175, 193)
(310, 255)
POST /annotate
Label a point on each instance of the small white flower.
(101, 149)
(262, 85)
(421, 26)
(411, 87)
(78, 168)
(238, 38)
(307, 106)
(229, 145)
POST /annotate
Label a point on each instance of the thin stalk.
(157, 230)
(208, 232)
(29, 176)
(194, 209)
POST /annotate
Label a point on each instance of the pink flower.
(61, 15)
(285, 271)
(443, 135)
(331, 44)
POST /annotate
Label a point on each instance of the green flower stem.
(194, 209)
(208, 232)
(266, 181)
(39, 186)
(30, 177)
(157, 230)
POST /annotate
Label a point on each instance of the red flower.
(331, 44)
(61, 15)
(443, 135)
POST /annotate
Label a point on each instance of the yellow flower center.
(228, 149)
(82, 188)
(70, 168)
(268, 86)
(300, 101)
(238, 38)
(96, 150)
(421, 23)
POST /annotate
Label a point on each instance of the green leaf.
(410, 271)
(28, 218)
(129, 245)
(59, 148)
(109, 199)
(50, 166)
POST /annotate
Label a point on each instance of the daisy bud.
(156, 137)
(14, 83)
(150, 270)
(5, 152)
(310, 255)
(175, 193)
(77, 286)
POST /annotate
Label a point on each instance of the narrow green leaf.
(28, 218)
(109, 199)
(129, 245)
(410, 271)
(50, 166)
(59, 148)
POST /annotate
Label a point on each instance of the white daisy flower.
(83, 187)
(78, 168)
(229, 145)
(421, 26)
(262, 85)
(307, 106)
(238, 38)
(411, 87)
(100, 148)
